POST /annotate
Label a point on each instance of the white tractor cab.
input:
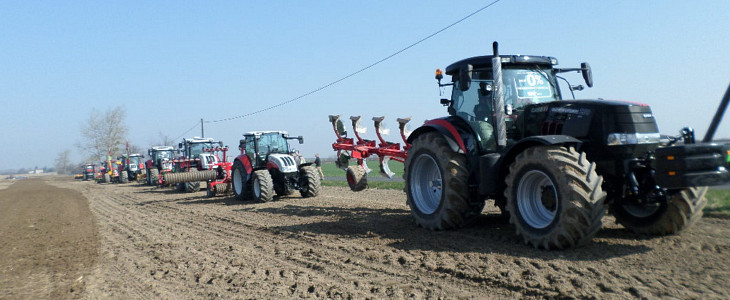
(267, 164)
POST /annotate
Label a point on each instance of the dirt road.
(156, 243)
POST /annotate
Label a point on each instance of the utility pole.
(202, 130)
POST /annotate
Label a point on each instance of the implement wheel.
(554, 197)
(357, 178)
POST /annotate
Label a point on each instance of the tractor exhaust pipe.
(718, 117)
(498, 98)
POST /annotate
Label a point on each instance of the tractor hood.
(284, 162)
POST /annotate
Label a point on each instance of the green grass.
(331, 170)
(718, 202)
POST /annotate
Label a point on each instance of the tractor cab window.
(197, 148)
(134, 160)
(474, 104)
(250, 149)
(528, 86)
(272, 143)
(160, 155)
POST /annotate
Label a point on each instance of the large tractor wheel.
(357, 178)
(554, 197)
(240, 182)
(154, 176)
(683, 209)
(106, 178)
(148, 177)
(436, 185)
(262, 186)
(124, 177)
(310, 182)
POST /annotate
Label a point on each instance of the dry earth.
(139, 242)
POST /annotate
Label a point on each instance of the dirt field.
(134, 241)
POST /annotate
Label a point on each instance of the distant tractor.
(89, 171)
(194, 165)
(267, 166)
(160, 162)
(133, 166)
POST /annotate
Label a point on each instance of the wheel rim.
(256, 188)
(537, 199)
(426, 185)
(238, 181)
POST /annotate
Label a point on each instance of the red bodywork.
(223, 166)
(360, 148)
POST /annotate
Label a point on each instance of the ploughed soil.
(61, 238)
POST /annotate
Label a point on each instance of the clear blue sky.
(171, 63)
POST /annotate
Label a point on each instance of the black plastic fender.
(493, 178)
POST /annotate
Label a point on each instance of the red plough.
(360, 149)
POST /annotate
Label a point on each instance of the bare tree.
(164, 140)
(63, 162)
(104, 133)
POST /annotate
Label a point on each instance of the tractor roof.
(481, 62)
(256, 133)
(196, 139)
(162, 148)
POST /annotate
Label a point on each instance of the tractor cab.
(259, 145)
(525, 80)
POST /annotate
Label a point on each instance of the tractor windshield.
(160, 155)
(197, 148)
(134, 160)
(521, 87)
(272, 142)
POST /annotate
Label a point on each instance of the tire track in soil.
(338, 245)
(310, 260)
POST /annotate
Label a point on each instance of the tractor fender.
(246, 162)
(451, 133)
(538, 140)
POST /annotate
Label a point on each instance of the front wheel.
(683, 209)
(437, 185)
(262, 186)
(554, 197)
(310, 182)
(124, 177)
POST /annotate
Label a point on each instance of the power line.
(358, 71)
(186, 132)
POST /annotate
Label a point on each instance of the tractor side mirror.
(301, 139)
(465, 77)
(220, 143)
(179, 145)
(587, 73)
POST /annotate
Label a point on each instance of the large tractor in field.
(160, 162)
(267, 165)
(89, 171)
(553, 166)
(130, 167)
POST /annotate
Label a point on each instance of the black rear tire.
(155, 176)
(240, 182)
(554, 197)
(357, 178)
(437, 185)
(683, 209)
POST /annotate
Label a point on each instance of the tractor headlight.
(616, 139)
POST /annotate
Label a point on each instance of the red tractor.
(267, 165)
(196, 164)
(160, 162)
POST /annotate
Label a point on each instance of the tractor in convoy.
(196, 164)
(553, 166)
(133, 166)
(89, 171)
(160, 162)
(267, 166)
